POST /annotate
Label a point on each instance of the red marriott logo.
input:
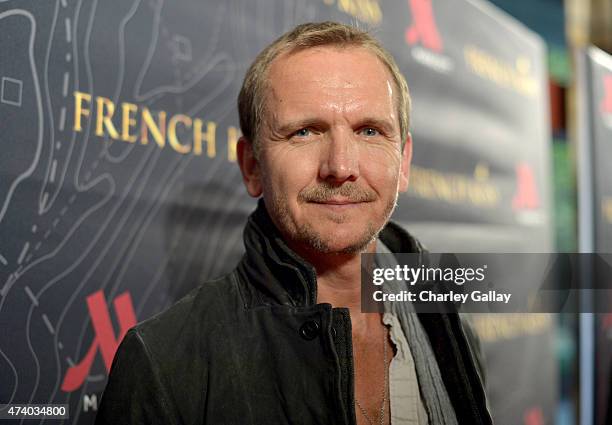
(526, 196)
(105, 341)
(424, 27)
(606, 103)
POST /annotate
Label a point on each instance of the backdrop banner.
(597, 86)
(119, 190)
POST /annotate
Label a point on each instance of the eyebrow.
(384, 125)
(296, 125)
(291, 126)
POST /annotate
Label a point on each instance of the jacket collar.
(270, 273)
(277, 275)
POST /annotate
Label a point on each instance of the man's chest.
(372, 354)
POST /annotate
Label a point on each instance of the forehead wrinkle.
(331, 99)
(298, 86)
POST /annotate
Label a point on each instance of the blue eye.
(369, 131)
(302, 132)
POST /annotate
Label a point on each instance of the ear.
(249, 167)
(405, 167)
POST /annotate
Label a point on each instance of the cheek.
(381, 165)
(288, 173)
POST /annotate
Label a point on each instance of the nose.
(340, 158)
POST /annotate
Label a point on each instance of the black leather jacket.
(254, 348)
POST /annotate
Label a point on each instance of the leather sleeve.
(134, 393)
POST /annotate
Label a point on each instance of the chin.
(338, 242)
(355, 248)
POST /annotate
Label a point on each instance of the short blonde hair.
(252, 97)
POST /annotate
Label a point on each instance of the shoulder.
(192, 318)
(160, 368)
(399, 240)
(474, 344)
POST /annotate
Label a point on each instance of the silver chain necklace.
(381, 418)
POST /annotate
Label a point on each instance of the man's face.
(331, 162)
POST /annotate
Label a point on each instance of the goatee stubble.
(304, 233)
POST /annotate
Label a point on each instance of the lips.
(337, 205)
(338, 202)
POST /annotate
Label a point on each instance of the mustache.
(324, 192)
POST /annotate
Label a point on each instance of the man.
(282, 339)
